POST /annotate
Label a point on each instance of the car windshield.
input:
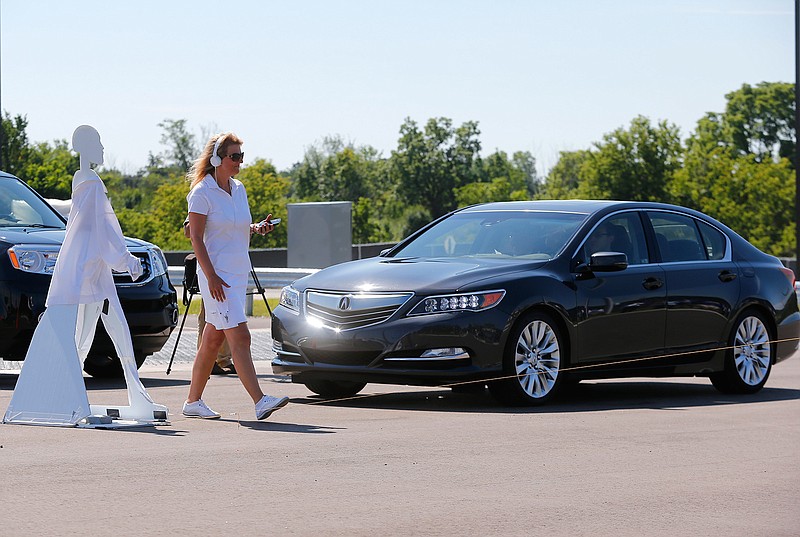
(529, 235)
(19, 206)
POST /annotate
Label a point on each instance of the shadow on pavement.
(9, 380)
(289, 427)
(584, 397)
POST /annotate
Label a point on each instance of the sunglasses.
(237, 157)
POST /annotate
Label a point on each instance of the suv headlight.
(290, 299)
(159, 262)
(37, 259)
(480, 301)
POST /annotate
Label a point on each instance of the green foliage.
(566, 176)
(499, 178)
(634, 164)
(266, 193)
(14, 145)
(181, 146)
(759, 121)
(734, 166)
(429, 165)
(49, 169)
(756, 199)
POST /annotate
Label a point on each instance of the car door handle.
(652, 283)
(726, 276)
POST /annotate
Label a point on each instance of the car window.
(619, 233)
(714, 241)
(19, 206)
(528, 235)
(677, 237)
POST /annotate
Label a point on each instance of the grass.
(259, 309)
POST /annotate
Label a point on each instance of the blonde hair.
(202, 165)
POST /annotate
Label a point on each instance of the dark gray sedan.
(525, 296)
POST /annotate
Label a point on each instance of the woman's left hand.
(263, 227)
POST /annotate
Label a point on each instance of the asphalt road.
(634, 457)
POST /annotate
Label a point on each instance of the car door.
(703, 283)
(621, 313)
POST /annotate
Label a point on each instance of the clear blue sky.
(538, 75)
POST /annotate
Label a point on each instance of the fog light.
(447, 353)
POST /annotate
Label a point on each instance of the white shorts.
(230, 312)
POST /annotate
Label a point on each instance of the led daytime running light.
(460, 302)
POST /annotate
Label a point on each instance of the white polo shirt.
(227, 234)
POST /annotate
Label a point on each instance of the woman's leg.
(204, 361)
(239, 341)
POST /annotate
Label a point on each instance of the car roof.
(572, 206)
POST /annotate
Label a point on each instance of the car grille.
(348, 311)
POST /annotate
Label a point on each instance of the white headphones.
(215, 160)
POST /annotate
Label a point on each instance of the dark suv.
(31, 233)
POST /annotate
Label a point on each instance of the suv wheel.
(104, 366)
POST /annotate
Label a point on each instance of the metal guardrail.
(269, 278)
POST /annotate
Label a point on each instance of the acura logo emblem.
(344, 303)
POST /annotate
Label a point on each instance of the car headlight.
(458, 302)
(159, 262)
(290, 299)
(36, 259)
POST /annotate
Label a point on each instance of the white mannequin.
(50, 388)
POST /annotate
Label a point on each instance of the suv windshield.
(536, 235)
(21, 207)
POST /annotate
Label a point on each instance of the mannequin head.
(86, 142)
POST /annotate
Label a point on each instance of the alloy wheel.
(751, 351)
(537, 359)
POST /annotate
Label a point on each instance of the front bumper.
(392, 351)
(151, 311)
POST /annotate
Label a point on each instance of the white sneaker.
(268, 404)
(198, 409)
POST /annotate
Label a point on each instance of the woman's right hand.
(216, 286)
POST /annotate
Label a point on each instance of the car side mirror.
(608, 262)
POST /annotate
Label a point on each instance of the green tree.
(14, 148)
(566, 176)
(756, 199)
(736, 170)
(633, 164)
(429, 165)
(49, 169)
(267, 192)
(759, 121)
(500, 179)
(181, 146)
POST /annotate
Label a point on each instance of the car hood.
(428, 275)
(32, 235)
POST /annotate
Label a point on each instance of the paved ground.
(634, 457)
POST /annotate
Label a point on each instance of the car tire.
(104, 366)
(748, 360)
(334, 388)
(534, 357)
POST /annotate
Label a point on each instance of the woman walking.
(220, 226)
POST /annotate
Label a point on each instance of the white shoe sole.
(268, 412)
(201, 417)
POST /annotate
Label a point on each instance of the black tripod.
(191, 288)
